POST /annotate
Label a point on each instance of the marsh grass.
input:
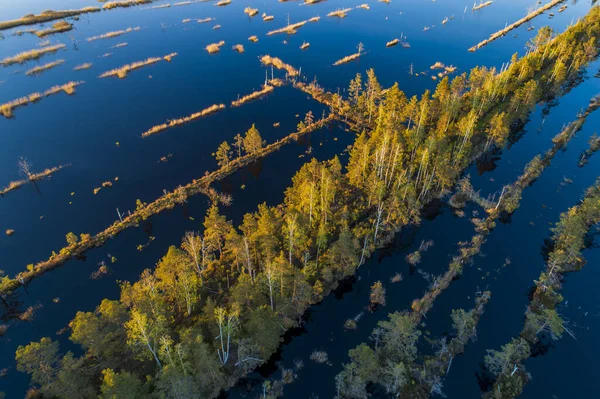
(87, 65)
(266, 17)
(277, 63)
(116, 33)
(239, 48)
(392, 43)
(516, 24)
(289, 29)
(31, 55)
(314, 19)
(59, 27)
(169, 57)
(182, 3)
(123, 4)
(144, 211)
(347, 59)
(45, 16)
(304, 45)
(222, 3)
(215, 47)
(481, 5)
(253, 38)
(122, 72)
(13, 185)
(251, 11)
(7, 109)
(42, 68)
(252, 96)
(340, 13)
(205, 20)
(176, 122)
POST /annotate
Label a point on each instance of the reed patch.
(42, 68)
(176, 122)
(29, 55)
(7, 109)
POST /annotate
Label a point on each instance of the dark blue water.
(84, 130)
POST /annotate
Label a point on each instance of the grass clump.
(7, 109)
(169, 57)
(351, 57)
(252, 96)
(289, 29)
(175, 122)
(222, 3)
(13, 185)
(304, 45)
(251, 11)
(340, 13)
(205, 20)
(108, 35)
(31, 55)
(122, 72)
(239, 48)
(253, 38)
(319, 356)
(215, 47)
(266, 17)
(392, 43)
(41, 68)
(45, 16)
(59, 27)
(123, 4)
(277, 63)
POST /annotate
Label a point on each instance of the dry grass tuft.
(392, 43)
(169, 57)
(108, 35)
(215, 47)
(31, 55)
(347, 59)
(125, 3)
(41, 68)
(239, 48)
(222, 3)
(7, 109)
(175, 122)
(314, 19)
(289, 29)
(205, 20)
(304, 46)
(340, 13)
(252, 96)
(122, 72)
(277, 63)
(45, 16)
(87, 65)
(61, 26)
(253, 38)
(34, 177)
(251, 11)
(364, 6)
(266, 17)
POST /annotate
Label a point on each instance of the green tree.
(121, 385)
(252, 141)
(71, 239)
(223, 154)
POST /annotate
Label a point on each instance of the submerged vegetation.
(7, 109)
